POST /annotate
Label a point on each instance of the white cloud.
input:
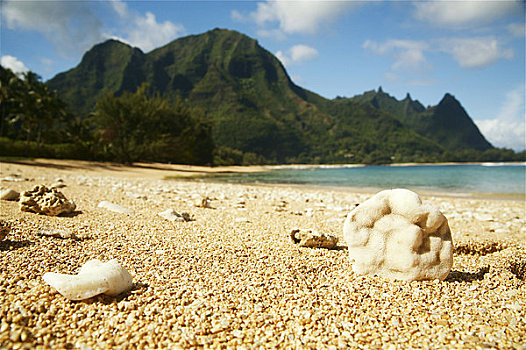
(70, 25)
(504, 134)
(408, 54)
(283, 58)
(144, 31)
(297, 54)
(14, 64)
(149, 34)
(475, 52)
(237, 16)
(463, 13)
(508, 128)
(303, 16)
(272, 33)
(74, 27)
(120, 7)
(517, 29)
(467, 52)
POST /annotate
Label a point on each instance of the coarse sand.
(232, 278)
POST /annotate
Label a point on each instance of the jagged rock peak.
(448, 97)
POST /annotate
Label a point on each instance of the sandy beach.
(232, 278)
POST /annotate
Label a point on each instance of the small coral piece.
(313, 239)
(172, 215)
(115, 208)
(205, 203)
(94, 277)
(393, 234)
(43, 200)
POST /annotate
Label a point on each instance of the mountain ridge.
(447, 123)
(250, 101)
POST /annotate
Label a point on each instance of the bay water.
(486, 178)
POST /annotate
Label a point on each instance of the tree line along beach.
(231, 276)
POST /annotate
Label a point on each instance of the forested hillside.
(446, 123)
(235, 100)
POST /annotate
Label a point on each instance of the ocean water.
(466, 178)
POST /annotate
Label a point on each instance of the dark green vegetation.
(448, 124)
(220, 98)
(131, 127)
(32, 118)
(135, 127)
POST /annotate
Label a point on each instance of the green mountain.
(448, 124)
(253, 107)
(105, 68)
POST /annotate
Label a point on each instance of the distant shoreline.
(321, 166)
(204, 169)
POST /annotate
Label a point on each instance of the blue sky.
(474, 50)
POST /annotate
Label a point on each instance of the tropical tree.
(28, 104)
(10, 89)
(136, 126)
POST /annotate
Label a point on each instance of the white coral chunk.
(94, 277)
(393, 234)
(115, 208)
